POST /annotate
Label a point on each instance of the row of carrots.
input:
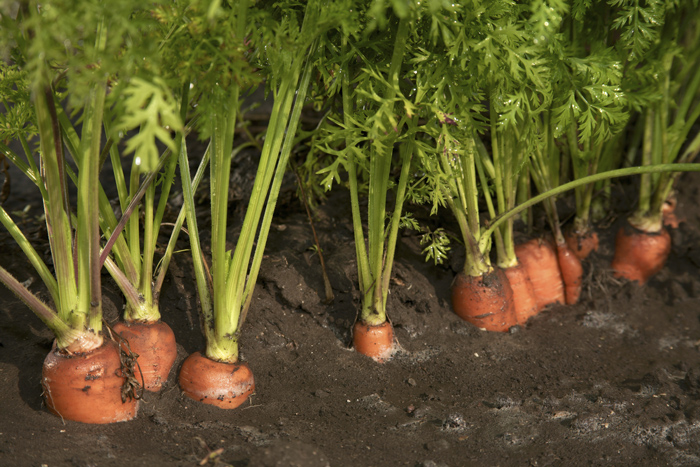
(550, 272)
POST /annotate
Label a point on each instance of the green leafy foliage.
(639, 23)
(436, 245)
(18, 119)
(150, 107)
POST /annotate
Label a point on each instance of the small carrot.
(542, 265)
(375, 341)
(86, 387)
(524, 298)
(571, 273)
(224, 385)
(582, 243)
(154, 343)
(485, 301)
(638, 254)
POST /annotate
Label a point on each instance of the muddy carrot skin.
(375, 341)
(638, 254)
(540, 260)
(582, 244)
(486, 301)
(571, 273)
(224, 385)
(154, 343)
(524, 298)
(87, 387)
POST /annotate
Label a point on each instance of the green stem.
(197, 257)
(170, 249)
(628, 171)
(406, 156)
(363, 270)
(57, 219)
(29, 251)
(277, 184)
(65, 335)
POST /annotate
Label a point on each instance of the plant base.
(639, 255)
(486, 301)
(154, 343)
(376, 342)
(225, 385)
(85, 388)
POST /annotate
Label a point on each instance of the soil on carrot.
(613, 380)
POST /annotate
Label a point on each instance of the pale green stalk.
(628, 171)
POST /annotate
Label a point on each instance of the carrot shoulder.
(224, 385)
(87, 387)
(542, 265)
(571, 273)
(485, 301)
(375, 341)
(524, 298)
(638, 254)
(582, 244)
(154, 343)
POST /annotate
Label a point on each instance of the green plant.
(290, 34)
(49, 62)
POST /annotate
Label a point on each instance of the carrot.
(224, 385)
(524, 298)
(86, 387)
(582, 243)
(154, 343)
(542, 265)
(485, 301)
(375, 341)
(638, 254)
(571, 273)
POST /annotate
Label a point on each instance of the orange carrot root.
(639, 255)
(485, 301)
(582, 243)
(542, 265)
(376, 342)
(85, 387)
(571, 273)
(224, 385)
(154, 343)
(524, 298)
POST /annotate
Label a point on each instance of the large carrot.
(86, 387)
(524, 298)
(154, 343)
(225, 385)
(485, 301)
(638, 254)
(542, 265)
(375, 341)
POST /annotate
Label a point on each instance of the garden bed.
(613, 380)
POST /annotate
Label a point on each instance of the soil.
(614, 380)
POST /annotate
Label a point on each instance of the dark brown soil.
(614, 380)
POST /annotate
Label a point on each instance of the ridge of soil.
(614, 380)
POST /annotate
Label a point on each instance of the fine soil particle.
(613, 380)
